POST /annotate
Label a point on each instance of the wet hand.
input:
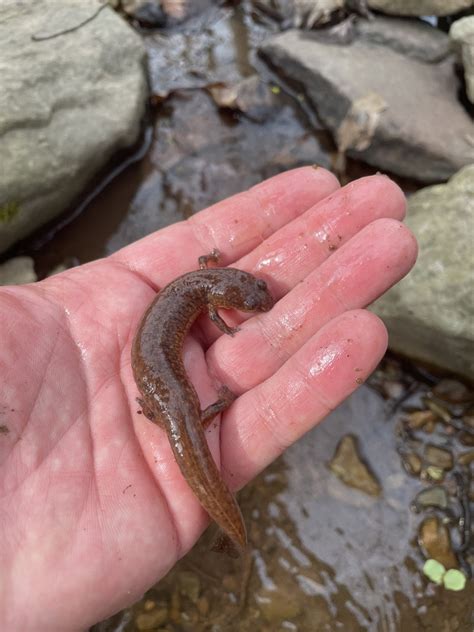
(93, 507)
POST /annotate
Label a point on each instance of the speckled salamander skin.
(169, 398)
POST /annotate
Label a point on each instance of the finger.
(234, 226)
(353, 277)
(292, 252)
(263, 422)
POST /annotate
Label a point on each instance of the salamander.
(169, 399)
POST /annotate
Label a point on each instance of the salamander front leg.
(204, 259)
(223, 326)
(226, 397)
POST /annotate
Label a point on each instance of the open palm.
(93, 509)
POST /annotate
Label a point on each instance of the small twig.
(42, 38)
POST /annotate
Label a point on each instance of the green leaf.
(454, 579)
(434, 571)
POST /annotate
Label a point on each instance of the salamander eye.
(261, 284)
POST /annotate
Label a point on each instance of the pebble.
(434, 538)
(349, 467)
(452, 391)
(412, 463)
(151, 620)
(438, 457)
(432, 497)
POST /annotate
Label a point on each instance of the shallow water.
(323, 555)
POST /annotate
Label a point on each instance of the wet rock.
(203, 606)
(151, 620)
(432, 497)
(420, 418)
(252, 96)
(198, 56)
(466, 458)
(452, 391)
(462, 35)
(276, 606)
(299, 13)
(467, 438)
(393, 389)
(434, 538)
(407, 138)
(17, 271)
(412, 463)
(420, 7)
(349, 467)
(413, 38)
(310, 13)
(438, 411)
(149, 14)
(189, 584)
(439, 457)
(434, 302)
(67, 104)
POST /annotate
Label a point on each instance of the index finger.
(234, 226)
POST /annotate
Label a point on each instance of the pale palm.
(93, 509)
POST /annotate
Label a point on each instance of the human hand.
(93, 508)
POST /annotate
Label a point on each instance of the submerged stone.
(349, 467)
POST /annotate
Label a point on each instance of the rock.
(149, 14)
(420, 7)
(17, 271)
(432, 497)
(434, 538)
(412, 463)
(309, 13)
(151, 620)
(349, 467)
(466, 458)
(68, 103)
(189, 585)
(452, 391)
(420, 418)
(251, 96)
(439, 457)
(276, 606)
(407, 138)
(181, 59)
(434, 303)
(413, 38)
(462, 35)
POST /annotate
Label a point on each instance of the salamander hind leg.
(145, 410)
(226, 397)
(212, 256)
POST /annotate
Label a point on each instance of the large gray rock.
(413, 38)
(67, 104)
(462, 35)
(403, 134)
(420, 7)
(430, 313)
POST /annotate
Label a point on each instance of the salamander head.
(241, 290)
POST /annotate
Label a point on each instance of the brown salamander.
(168, 397)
